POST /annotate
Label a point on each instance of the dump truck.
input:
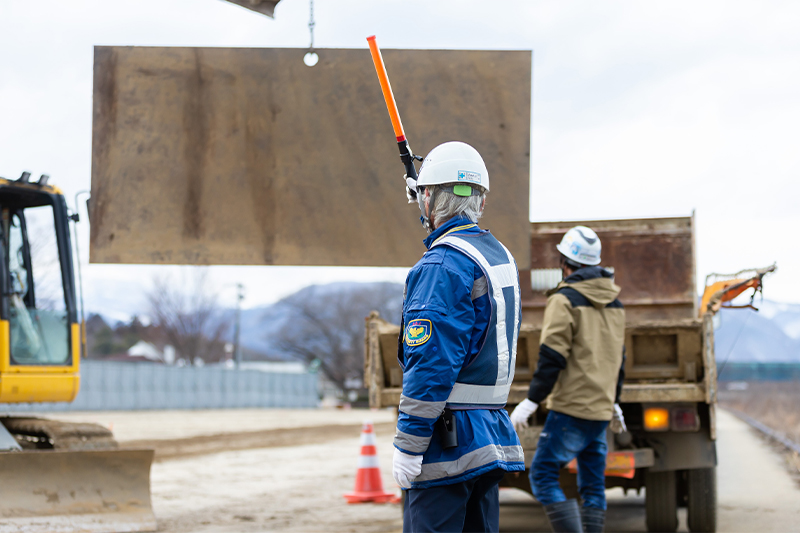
(669, 394)
(54, 475)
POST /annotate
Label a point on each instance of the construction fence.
(758, 371)
(107, 385)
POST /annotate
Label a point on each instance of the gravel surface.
(288, 472)
(250, 470)
(296, 488)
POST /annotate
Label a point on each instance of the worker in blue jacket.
(461, 317)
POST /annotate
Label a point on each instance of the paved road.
(755, 492)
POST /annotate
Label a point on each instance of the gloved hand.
(617, 423)
(411, 189)
(405, 468)
(522, 412)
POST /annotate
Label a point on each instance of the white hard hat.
(454, 162)
(581, 245)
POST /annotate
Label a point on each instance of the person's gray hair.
(449, 205)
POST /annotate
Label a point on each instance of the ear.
(483, 203)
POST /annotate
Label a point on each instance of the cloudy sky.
(639, 109)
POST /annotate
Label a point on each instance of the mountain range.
(261, 325)
(771, 334)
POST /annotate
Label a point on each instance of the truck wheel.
(661, 502)
(702, 495)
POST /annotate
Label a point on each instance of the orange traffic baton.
(406, 155)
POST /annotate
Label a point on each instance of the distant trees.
(326, 323)
(103, 340)
(187, 313)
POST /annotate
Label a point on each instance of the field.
(255, 470)
(285, 470)
(774, 403)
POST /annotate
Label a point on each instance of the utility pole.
(237, 332)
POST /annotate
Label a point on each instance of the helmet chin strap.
(426, 222)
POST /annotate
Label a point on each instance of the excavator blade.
(76, 491)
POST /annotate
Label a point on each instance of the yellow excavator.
(54, 476)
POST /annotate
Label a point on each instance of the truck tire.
(701, 491)
(661, 502)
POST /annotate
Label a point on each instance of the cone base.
(376, 497)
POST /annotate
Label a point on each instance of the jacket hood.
(595, 283)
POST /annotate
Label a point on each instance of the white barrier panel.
(107, 385)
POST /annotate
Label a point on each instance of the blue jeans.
(563, 439)
(471, 505)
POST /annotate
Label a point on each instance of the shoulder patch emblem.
(418, 331)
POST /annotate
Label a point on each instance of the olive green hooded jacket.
(581, 352)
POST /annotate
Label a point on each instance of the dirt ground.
(773, 403)
(257, 470)
(286, 470)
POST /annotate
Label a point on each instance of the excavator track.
(72, 477)
(43, 434)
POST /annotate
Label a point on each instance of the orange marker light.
(656, 419)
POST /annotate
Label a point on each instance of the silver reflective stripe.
(474, 459)
(479, 288)
(420, 408)
(500, 276)
(411, 443)
(517, 316)
(479, 394)
(504, 275)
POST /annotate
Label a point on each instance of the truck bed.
(666, 362)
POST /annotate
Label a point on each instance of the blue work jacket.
(449, 318)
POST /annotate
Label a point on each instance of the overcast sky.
(640, 109)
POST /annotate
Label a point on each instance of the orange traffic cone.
(369, 487)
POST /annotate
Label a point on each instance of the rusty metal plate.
(265, 7)
(248, 156)
(653, 261)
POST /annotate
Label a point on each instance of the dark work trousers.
(471, 505)
(563, 439)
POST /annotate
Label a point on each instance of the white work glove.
(617, 423)
(411, 189)
(405, 468)
(522, 412)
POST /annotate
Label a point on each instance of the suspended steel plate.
(248, 156)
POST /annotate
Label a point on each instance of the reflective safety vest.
(485, 381)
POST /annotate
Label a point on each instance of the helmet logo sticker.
(466, 175)
(590, 240)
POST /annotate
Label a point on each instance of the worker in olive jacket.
(580, 372)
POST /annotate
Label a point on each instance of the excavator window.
(37, 311)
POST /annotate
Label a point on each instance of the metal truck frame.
(669, 394)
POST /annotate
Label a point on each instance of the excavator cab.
(54, 475)
(39, 329)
